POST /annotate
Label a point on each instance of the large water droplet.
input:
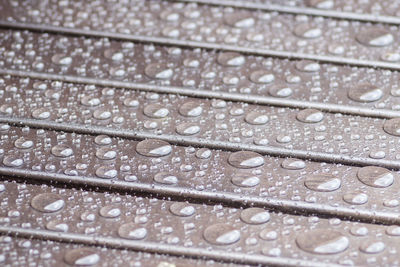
(307, 66)
(190, 109)
(393, 230)
(110, 212)
(365, 92)
(372, 247)
(90, 101)
(158, 71)
(155, 111)
(106, 153)
(203, 153)
(182, 209)
(355, 198)
(41, 114)
(13, 161)
(254, 216)
(245, 180)
(165, 178)
(153, 148)
(102, 140)
(392, 126)
(61, 59)
(310, 115)
(81, 257)
(246, 159)
(187, 128)
(221, 234)
(293, 164)
(322, 182)
(57, 226)
(47, 202)
(307, 31)
(262, 77)
(240, 20)
(280, 91)
(375, 37)
(23, 143)
(230, 59)
(322, 241)
(102, 114)
(106, 172)
(256, 118)
(132, 231)
(62, 151)
(375, 176)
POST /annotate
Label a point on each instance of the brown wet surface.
(199, 132)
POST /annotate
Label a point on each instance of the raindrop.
(187, 128)
(182, 209)
(41, 114)
(322, 241)
(256, 118)
(190, 109)
(359, 231)
(106, 172)
(12, 161)
(268, 234)
(47, 202)
(375, 176)
(61, 59)
(322, 182)
(90, 101)
(132, 231)
(106, 153)
(153, 148)
(375, 37)
(293, 164)
(307, 66)
(62, 151)
(254, 216)
(365, 92)
(245, 180)
(355, 198)
(57, 226)
(113, 54)
(110, 212)
(103, 140)
(307, 31)
(262, 77)
(240, 20)
(372, 247)
(155, 111)
(230, 59)
(221, 234)
(203, 153)
(280, 91)
(246, 159)
(102, 114)
(158, 71)
(165, 178)
(81, 257)
(22, 143)
(392, 126)
(310, 116)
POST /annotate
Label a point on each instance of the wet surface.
(199, 132)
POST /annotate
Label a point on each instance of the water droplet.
(245, 180)
(110, 212)
(187, 128)
(230, 59)
(102, 140)
(390, 57)
(375, 176)
(155, 111)
(102, 114)
(158, 71)
(182, 209)
(254, 216)
(256, 118)
(81, 257)
(322, 182)
(106, 153)
(240, 20)
(106, 172)
(392, 126)
(293, 164)
(62, 151)
(375, 37)
(22, 143)
(307, 66)
(132, 231)
(365, 92)
(90, 101)
(41, 114)
(268, 234)
(57, 226)
(246, 159)
(310, 116)
(221, 234)
(372, 247)
(203, 153)
(113, 54)
(359, 231)
(47, 202)
(153, 148)
(321, 4)
(307, 31)
(61, 59)
(262, 77)
(393, 230)
(280, 91)
(355, 198)
(165, 178)
(322, 241)
(12, 161)
(190, 109)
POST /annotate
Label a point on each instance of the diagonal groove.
(236, 97)
(198, 44)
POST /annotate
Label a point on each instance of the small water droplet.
(355, 198)
(110, 212)
(190, 109)
(106, 153)
(165, 178)
(61, 59)
(155, 111)
(307, 66)
(245, 180)
(293, 164)
(256, 118)
(102, 140)
(57, 226)
(240, 20)
(262, 77)
(307, 31)
(310, 115)
(187, 128)
(254, 216)
(23, 143)
(132, 231)
(182, 209)
(203, 153)
(41, 114)
(230, 59)
(158, 71)
(62, 151)
(81, 257)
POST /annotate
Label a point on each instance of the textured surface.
(199, 132)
